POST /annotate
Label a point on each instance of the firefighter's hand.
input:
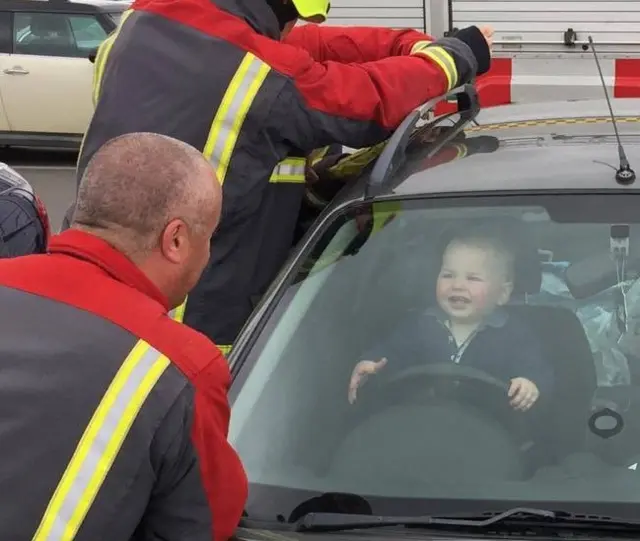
(360, 374)
(310, 174)
(523, 393)
(488, 32)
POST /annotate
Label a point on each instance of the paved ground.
(52, 174)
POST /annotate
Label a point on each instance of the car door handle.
(16, 70)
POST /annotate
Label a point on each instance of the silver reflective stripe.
(232, 111)
(289, 170)
(100, 443)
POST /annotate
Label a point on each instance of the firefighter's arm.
(359, 105)
(223, 475)
(354, 44)
(178, 508)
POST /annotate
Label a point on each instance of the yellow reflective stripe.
(461, 150)
(289, 170)
(103, 53)
(233, 109)
(420, 45)
(99, 63)
(101, 443)
(177, 313)
(224, 349)
(444, 60)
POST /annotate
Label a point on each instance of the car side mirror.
(92, 55)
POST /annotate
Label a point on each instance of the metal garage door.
(541, 24)
(394, 14)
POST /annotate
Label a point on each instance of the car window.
(88, 32)
(56, 34)
(481, 306)
(5, 32)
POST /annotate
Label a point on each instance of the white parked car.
(45, 71)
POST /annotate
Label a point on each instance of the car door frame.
(6, 48)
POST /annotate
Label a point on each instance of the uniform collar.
(498, 318)
(256, 13)
(88, 247)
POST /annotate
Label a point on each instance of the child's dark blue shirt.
(502, 346)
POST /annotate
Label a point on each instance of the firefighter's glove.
(479, 41)
(460, 57)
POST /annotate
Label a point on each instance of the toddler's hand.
(360, 373)
(523, 393)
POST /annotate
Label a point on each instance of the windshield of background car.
(510, 329)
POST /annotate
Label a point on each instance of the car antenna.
(624, 174)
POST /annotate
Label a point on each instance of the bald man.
(114, 417)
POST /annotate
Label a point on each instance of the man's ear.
(174, 240)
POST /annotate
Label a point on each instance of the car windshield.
(502, 336)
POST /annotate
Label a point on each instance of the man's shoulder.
(189, 350)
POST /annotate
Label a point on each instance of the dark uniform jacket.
(113, 417)
(216, 75)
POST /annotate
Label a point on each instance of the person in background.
(24, 223)
(237, 81)
(113, 416)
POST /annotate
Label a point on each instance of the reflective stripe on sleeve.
(289, 170)
(444, 60)
(177, 313)
(420, 45)
(101, 443)
(232, 111)
(461, 150)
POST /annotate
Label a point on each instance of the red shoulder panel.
(383, 91)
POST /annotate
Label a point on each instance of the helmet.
(24, 224)
(314, 11)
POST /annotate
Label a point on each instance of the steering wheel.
(432, 383)
(434, 423)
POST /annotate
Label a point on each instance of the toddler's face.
(473, 280)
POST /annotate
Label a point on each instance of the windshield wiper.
(516, 518)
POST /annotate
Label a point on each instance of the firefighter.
(256, 96)
(114, 416)
(24, 224)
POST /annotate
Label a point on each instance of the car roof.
(65, 6)
(567, 145)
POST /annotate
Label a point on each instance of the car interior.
(318, 432)
(49, 35)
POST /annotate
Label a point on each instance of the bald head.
(137, 183)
